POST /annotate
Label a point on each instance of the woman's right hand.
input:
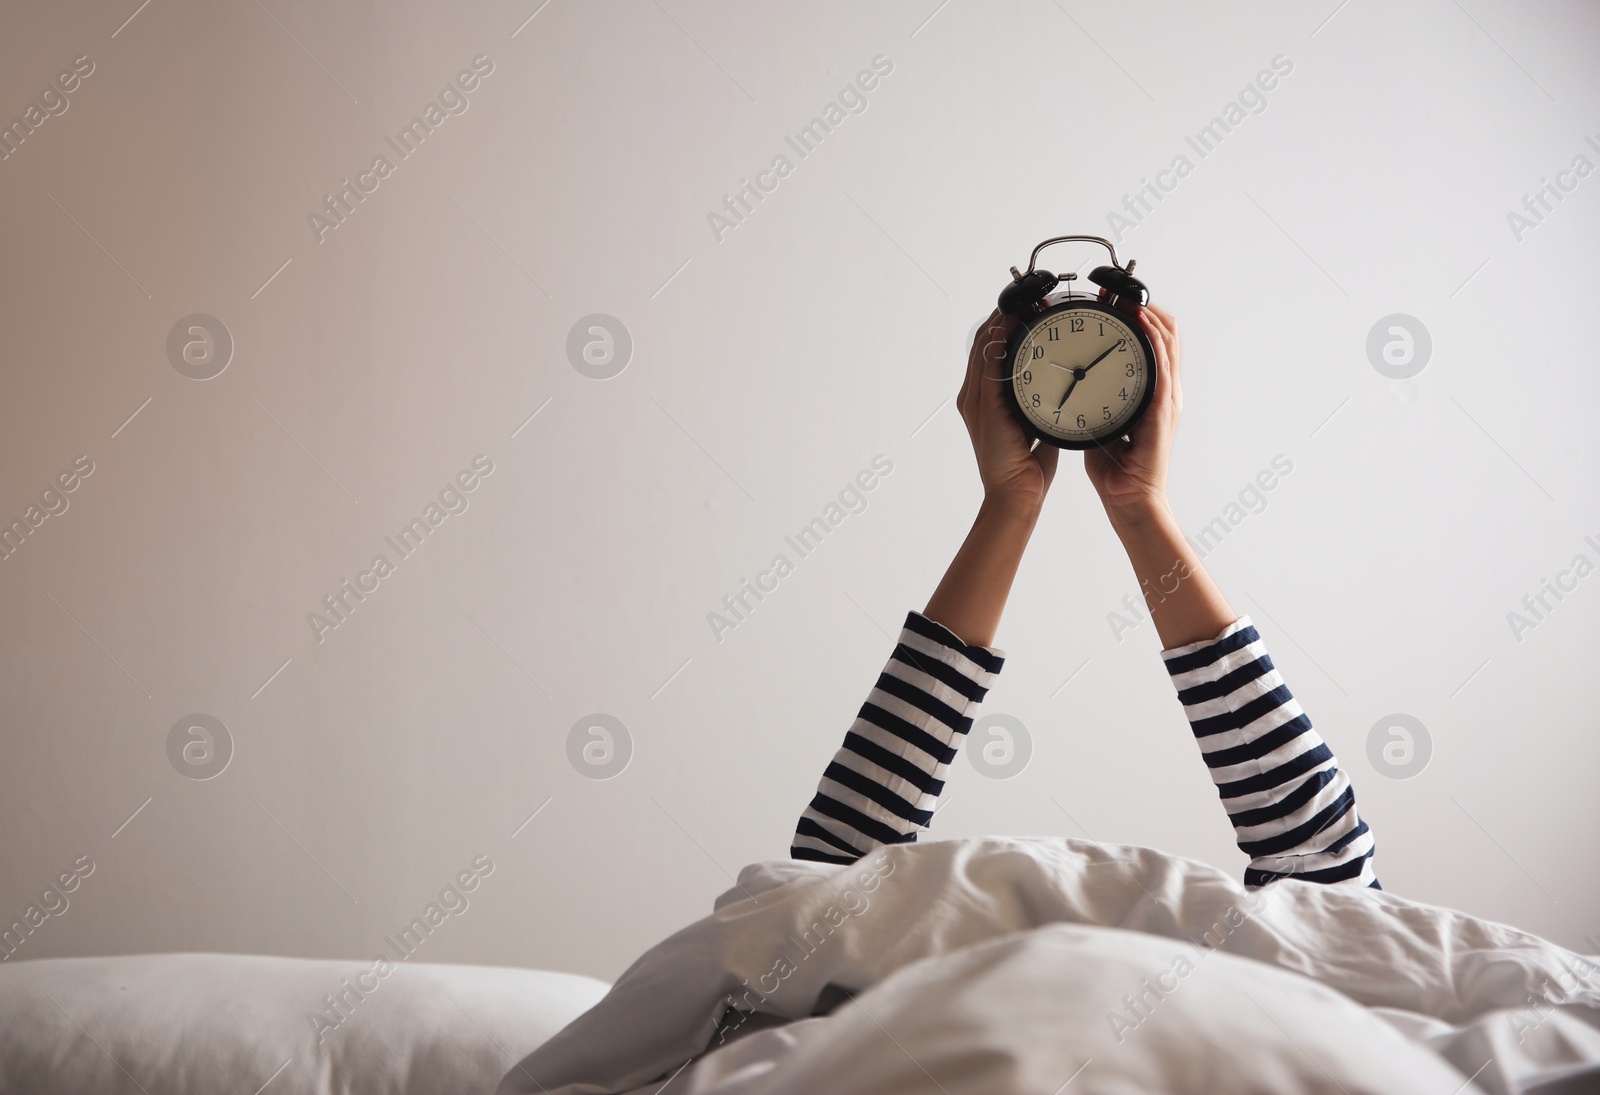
(1130, 475)
(1015, 472)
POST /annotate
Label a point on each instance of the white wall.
(767, 370)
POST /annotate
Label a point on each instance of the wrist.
(1140, 515)
(1010, 509)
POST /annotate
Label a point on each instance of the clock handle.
(1034, 258)
(1026, 290)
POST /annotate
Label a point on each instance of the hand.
(1012, 470)
(1129, 474)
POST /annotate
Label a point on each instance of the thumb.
(1047, 456)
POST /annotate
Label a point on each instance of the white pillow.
(176, 1024)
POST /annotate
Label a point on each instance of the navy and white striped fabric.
(1292, 809)
(883, 783)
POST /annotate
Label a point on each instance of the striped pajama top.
(1292, 808)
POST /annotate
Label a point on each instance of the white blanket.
(1047, 966)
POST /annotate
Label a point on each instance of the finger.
(996, 331)
(1153, 322)
(991, 390)
(987, 350)
(1166, 385)
(975, 365)
(992, 349)
(1157, 332)
(1164, 315)
(1170, 324)
(1047, 455)
(1174, 357)
(983, 342)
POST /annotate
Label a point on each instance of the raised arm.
(1293, 810)
(883, 784)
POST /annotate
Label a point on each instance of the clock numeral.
(1038, 352)
(1058, 416)
(1124, 394)
(1055, 334)
(1131, 370)
(1035, 399)
(1105, 413)
(1027, 376)
(1077, 325)
(1081, 422)
(1102, 328)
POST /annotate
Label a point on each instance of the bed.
(1053, 966)
(985, 966)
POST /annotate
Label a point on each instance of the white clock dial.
(1081, 375)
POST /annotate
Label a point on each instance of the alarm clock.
(1080, 369)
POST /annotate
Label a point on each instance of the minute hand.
(1083, 370)
(1115, 345)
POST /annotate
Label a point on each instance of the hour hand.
(1074, 384)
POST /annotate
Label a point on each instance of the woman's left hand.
(1131, 475)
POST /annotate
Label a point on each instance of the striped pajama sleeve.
(1293, 810)
(883, 783)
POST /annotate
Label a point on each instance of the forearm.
(1293, 810)
(971, 597)
(884, 782)
(1184, 602)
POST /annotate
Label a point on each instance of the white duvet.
(1061, 967)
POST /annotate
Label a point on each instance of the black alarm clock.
(1081, 370)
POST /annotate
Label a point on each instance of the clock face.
(1081, 373)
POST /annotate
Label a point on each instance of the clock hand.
(1082, 371)
(1115, 345)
